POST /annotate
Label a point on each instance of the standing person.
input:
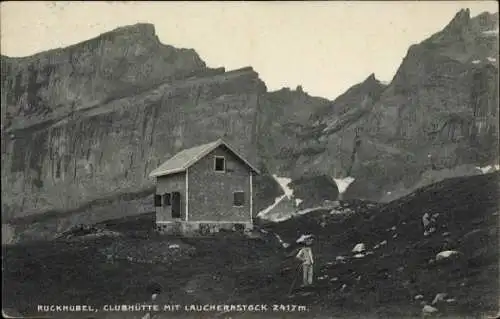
(306, 256)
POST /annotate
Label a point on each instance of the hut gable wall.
(211, 192)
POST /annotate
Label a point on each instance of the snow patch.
(343, 183)
(476, 62)
(491, 59)
(284, 181)
(298, 201)
(173, 246)
(489, 168)
(288, 193)
(359, 255)
(277, 200)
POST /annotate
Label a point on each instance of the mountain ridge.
(91, 119)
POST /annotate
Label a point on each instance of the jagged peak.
(371, 78)
(463, 14)
(460, 20)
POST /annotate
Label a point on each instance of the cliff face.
(92, 120)
(438, 114)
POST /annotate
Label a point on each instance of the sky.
(324, 46)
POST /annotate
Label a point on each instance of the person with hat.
(306, 256)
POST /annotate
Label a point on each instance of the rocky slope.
(92, 120)
(394, 276)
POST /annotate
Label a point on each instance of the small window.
(238, 198)
(166, 199)
(157, 200)
(220, 164)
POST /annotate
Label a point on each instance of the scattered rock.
(426, 220)
(445, 234)
(430, 231)
(382, 243)
(439, 297)
(359, 248)
(340, 258)
(427, 310)
(303, 237)
(446, 254)
(334, 279)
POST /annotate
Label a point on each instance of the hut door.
(176, 205)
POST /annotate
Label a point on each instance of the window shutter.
(157, 200)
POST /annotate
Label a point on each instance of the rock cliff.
(92, 120)
(439, 113)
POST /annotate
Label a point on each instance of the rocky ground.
(395, 271)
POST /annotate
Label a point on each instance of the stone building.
(203, 189)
